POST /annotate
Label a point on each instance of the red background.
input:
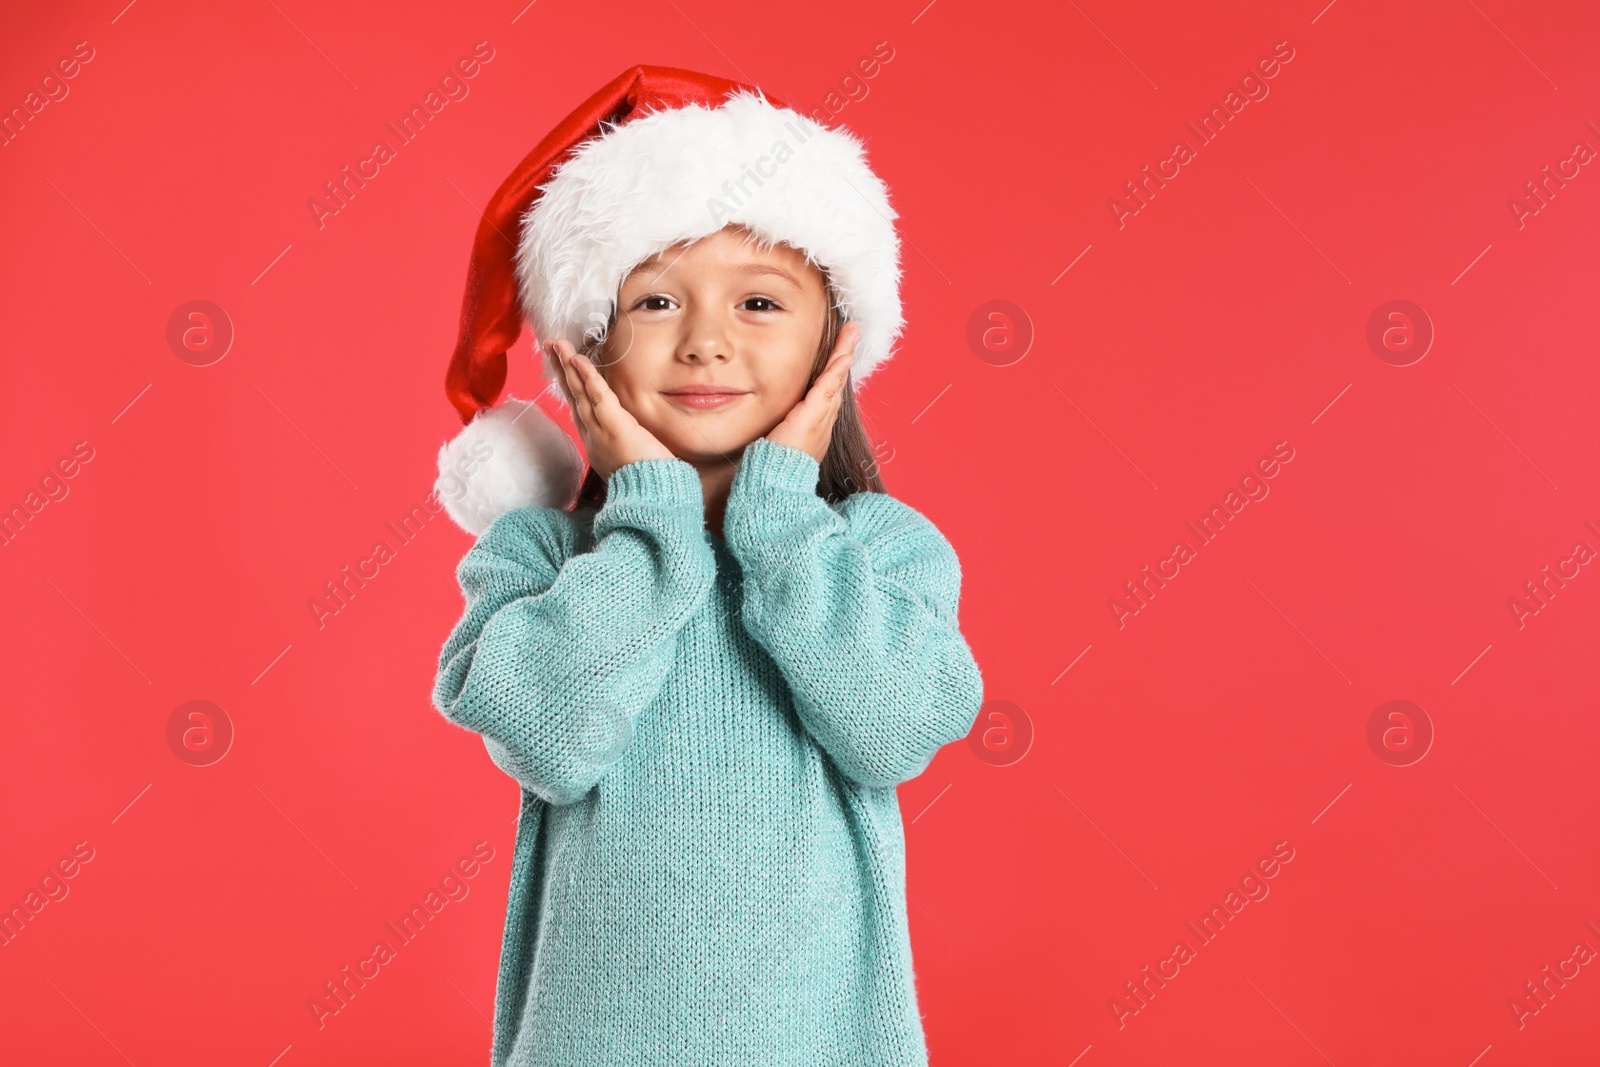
(1229, 714)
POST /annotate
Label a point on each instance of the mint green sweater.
(710, 865)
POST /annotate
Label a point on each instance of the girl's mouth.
(697, 400)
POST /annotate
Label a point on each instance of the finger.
(563, 373)
(604, 408)
(848, 340)
(849, 337)
(819, 412)
(595, 390)
(609, 412)
(563, 376)
(837, 377)
(572, 385)
(837, 389)
(827, 385)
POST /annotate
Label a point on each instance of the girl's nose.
(706, 337)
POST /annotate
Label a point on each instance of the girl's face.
(721, 314)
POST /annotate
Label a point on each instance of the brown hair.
(848, 467)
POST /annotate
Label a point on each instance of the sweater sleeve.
(559, 652)
(858, 609)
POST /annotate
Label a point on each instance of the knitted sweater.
(709, 867)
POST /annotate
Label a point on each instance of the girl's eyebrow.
(746, 268)
(763, 268)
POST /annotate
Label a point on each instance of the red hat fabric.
(491, 320)
(657, 157)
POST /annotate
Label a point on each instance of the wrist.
(780, 466)
(673, 482)
(774, 490)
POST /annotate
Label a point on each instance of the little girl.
(710, 670)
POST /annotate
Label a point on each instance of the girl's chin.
(719, 443)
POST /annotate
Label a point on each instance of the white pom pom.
(508, 457)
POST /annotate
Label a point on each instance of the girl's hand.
(809, 424)
(612, 437)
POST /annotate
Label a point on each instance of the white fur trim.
(508, 457)
(673, 175)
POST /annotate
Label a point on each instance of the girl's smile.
(705, 397)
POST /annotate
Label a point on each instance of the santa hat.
(657, 157)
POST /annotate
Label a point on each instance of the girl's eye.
(662, 302)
